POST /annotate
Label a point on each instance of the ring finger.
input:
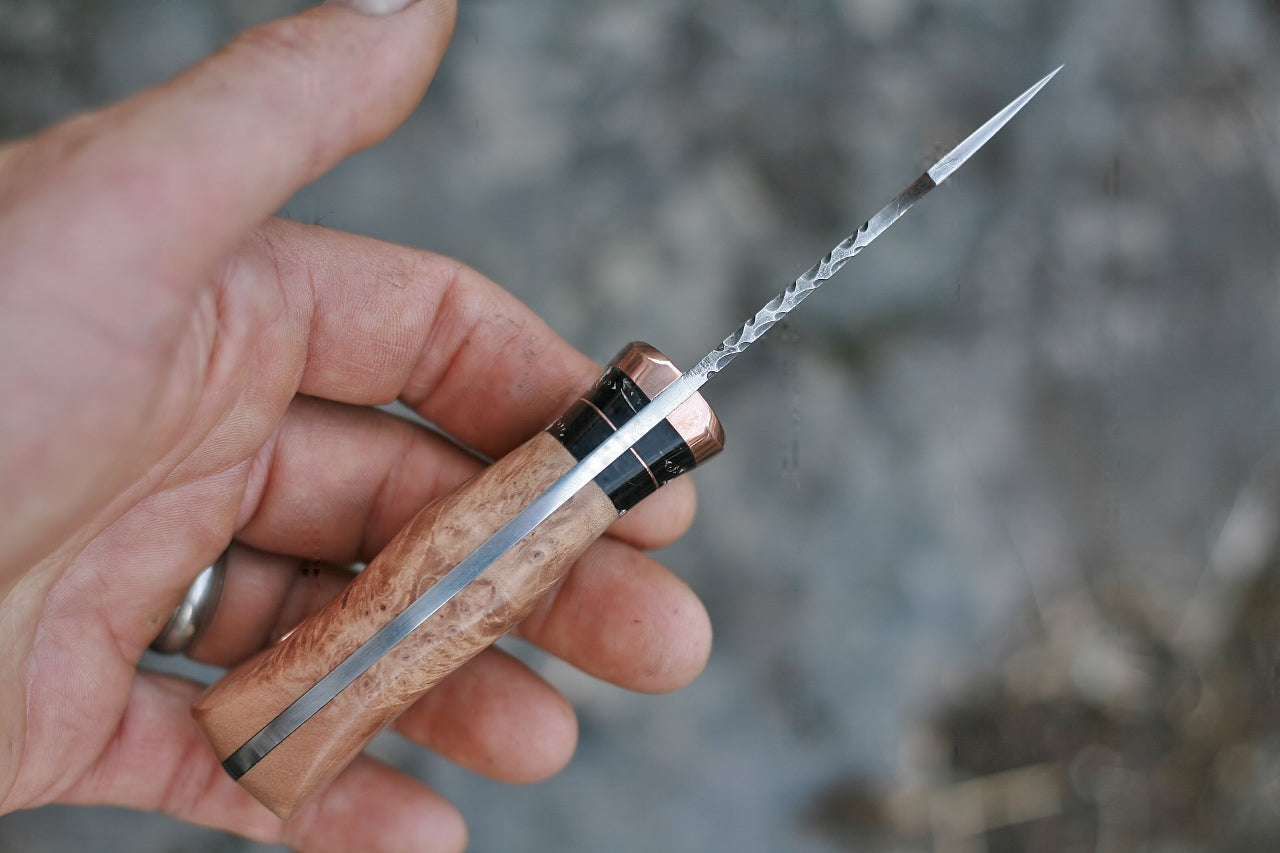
(263, 597)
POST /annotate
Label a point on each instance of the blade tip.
(955, 158)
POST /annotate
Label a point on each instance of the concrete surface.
(1054, 380)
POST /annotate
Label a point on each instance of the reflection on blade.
(955, 158)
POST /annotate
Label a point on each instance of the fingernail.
(374, 7)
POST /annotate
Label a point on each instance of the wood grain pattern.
(249, 697)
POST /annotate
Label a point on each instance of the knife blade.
(261, 705)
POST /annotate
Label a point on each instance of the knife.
(473, 563)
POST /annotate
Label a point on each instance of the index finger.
(384, 322)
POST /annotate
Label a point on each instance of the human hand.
(179, 369)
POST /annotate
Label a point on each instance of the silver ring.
(193, 614)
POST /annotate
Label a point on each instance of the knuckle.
(286, 40)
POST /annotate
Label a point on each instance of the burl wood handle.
(438, 538)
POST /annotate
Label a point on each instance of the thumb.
(286, 101)
(278, 107)
(180, 173)
(112, 222)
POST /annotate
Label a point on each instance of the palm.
(105, 602)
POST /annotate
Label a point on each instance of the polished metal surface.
(609, 450)
(956, 157)
(191, 617)
(694, 420)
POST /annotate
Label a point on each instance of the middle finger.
(337, 482)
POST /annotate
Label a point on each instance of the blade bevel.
(956, 157)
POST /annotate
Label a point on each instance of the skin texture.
(178, 369)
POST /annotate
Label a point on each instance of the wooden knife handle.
(233, 710)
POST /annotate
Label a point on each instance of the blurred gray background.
(992, 553)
